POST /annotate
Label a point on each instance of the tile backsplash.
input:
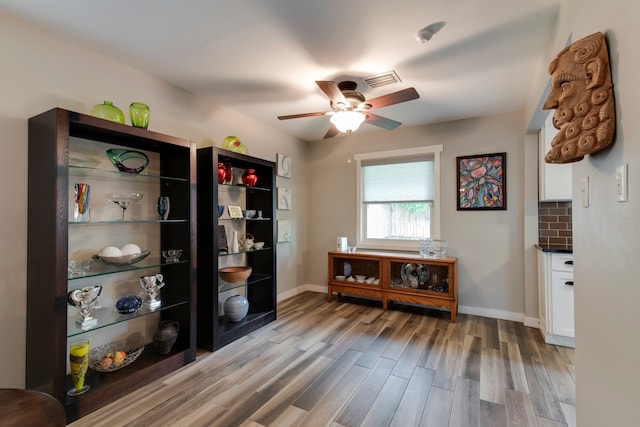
(554, 224)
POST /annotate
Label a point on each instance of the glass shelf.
(100, 269)
(106, 174)
(253, 279)
(119, 221)
(239, 187)
(248, 251)
(244, 219)
(108, 316)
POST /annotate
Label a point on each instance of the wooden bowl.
(235, 274)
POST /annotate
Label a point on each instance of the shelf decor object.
(230, 270)
(86, 300)
(78, 365)
(166, 336)
(235, 274)
(236, 308)
(129, 304)
(108, 111)
(482, 182)
(122, 353)
(249, 177)
(151, 286)
(222, 173)
(81, 211)
(163, 207)
(139, 114)
(128, 161)
(59, 269)
(232, 143)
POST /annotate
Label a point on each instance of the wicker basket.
(235, 274)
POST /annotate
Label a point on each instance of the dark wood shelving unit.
(52, 171)
(215, 330)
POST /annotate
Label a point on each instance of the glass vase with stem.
(124, 200)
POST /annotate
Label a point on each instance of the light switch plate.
(621, 183)
(584, 189)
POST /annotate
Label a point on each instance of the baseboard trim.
(300, 289)
(474, 311)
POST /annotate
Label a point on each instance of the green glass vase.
(108, 111)
(139, 114)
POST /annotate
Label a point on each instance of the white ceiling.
(261, 57)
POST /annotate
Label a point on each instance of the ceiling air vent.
(384, 79)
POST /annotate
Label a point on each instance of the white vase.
(236, 308)
(234, 243)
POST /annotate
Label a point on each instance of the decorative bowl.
(258, 245)
(129, 161)
(132, 348)
(235, 274)
(220, 210)
(249, 213)
(122, 260)
(129, 304)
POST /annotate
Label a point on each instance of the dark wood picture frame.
(482, 182)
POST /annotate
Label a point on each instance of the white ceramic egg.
(130, 249)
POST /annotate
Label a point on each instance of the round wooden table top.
(28, 408)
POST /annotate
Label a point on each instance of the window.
(398, 197)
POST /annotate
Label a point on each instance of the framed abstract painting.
(482, 182)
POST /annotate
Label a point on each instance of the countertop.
(561, 249)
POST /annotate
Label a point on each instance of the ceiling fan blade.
(332, 90)
(297, 116)
(393, 98)
(333, 131)
(383, 122)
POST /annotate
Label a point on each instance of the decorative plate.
(122, 260)
(133, 350)
(414, 275)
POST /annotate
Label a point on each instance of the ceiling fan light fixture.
(347, 121)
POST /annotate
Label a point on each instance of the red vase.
(228, 173)
(221, 173)
(249, 177)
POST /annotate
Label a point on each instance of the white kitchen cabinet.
(554, 180)
(555, 298)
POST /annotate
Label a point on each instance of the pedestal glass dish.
(124, 200)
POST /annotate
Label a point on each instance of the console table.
(393, 276)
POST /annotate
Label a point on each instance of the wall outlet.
(621, 183)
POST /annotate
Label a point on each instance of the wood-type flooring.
(348, 363)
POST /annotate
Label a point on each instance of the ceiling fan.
(350, 108)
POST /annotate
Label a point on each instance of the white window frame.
(408, 153)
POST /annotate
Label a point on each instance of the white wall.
(40, 72)
(489, 245)
(606, 239)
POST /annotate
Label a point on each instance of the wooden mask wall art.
(582, 95)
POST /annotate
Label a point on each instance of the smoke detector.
(424, 35)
